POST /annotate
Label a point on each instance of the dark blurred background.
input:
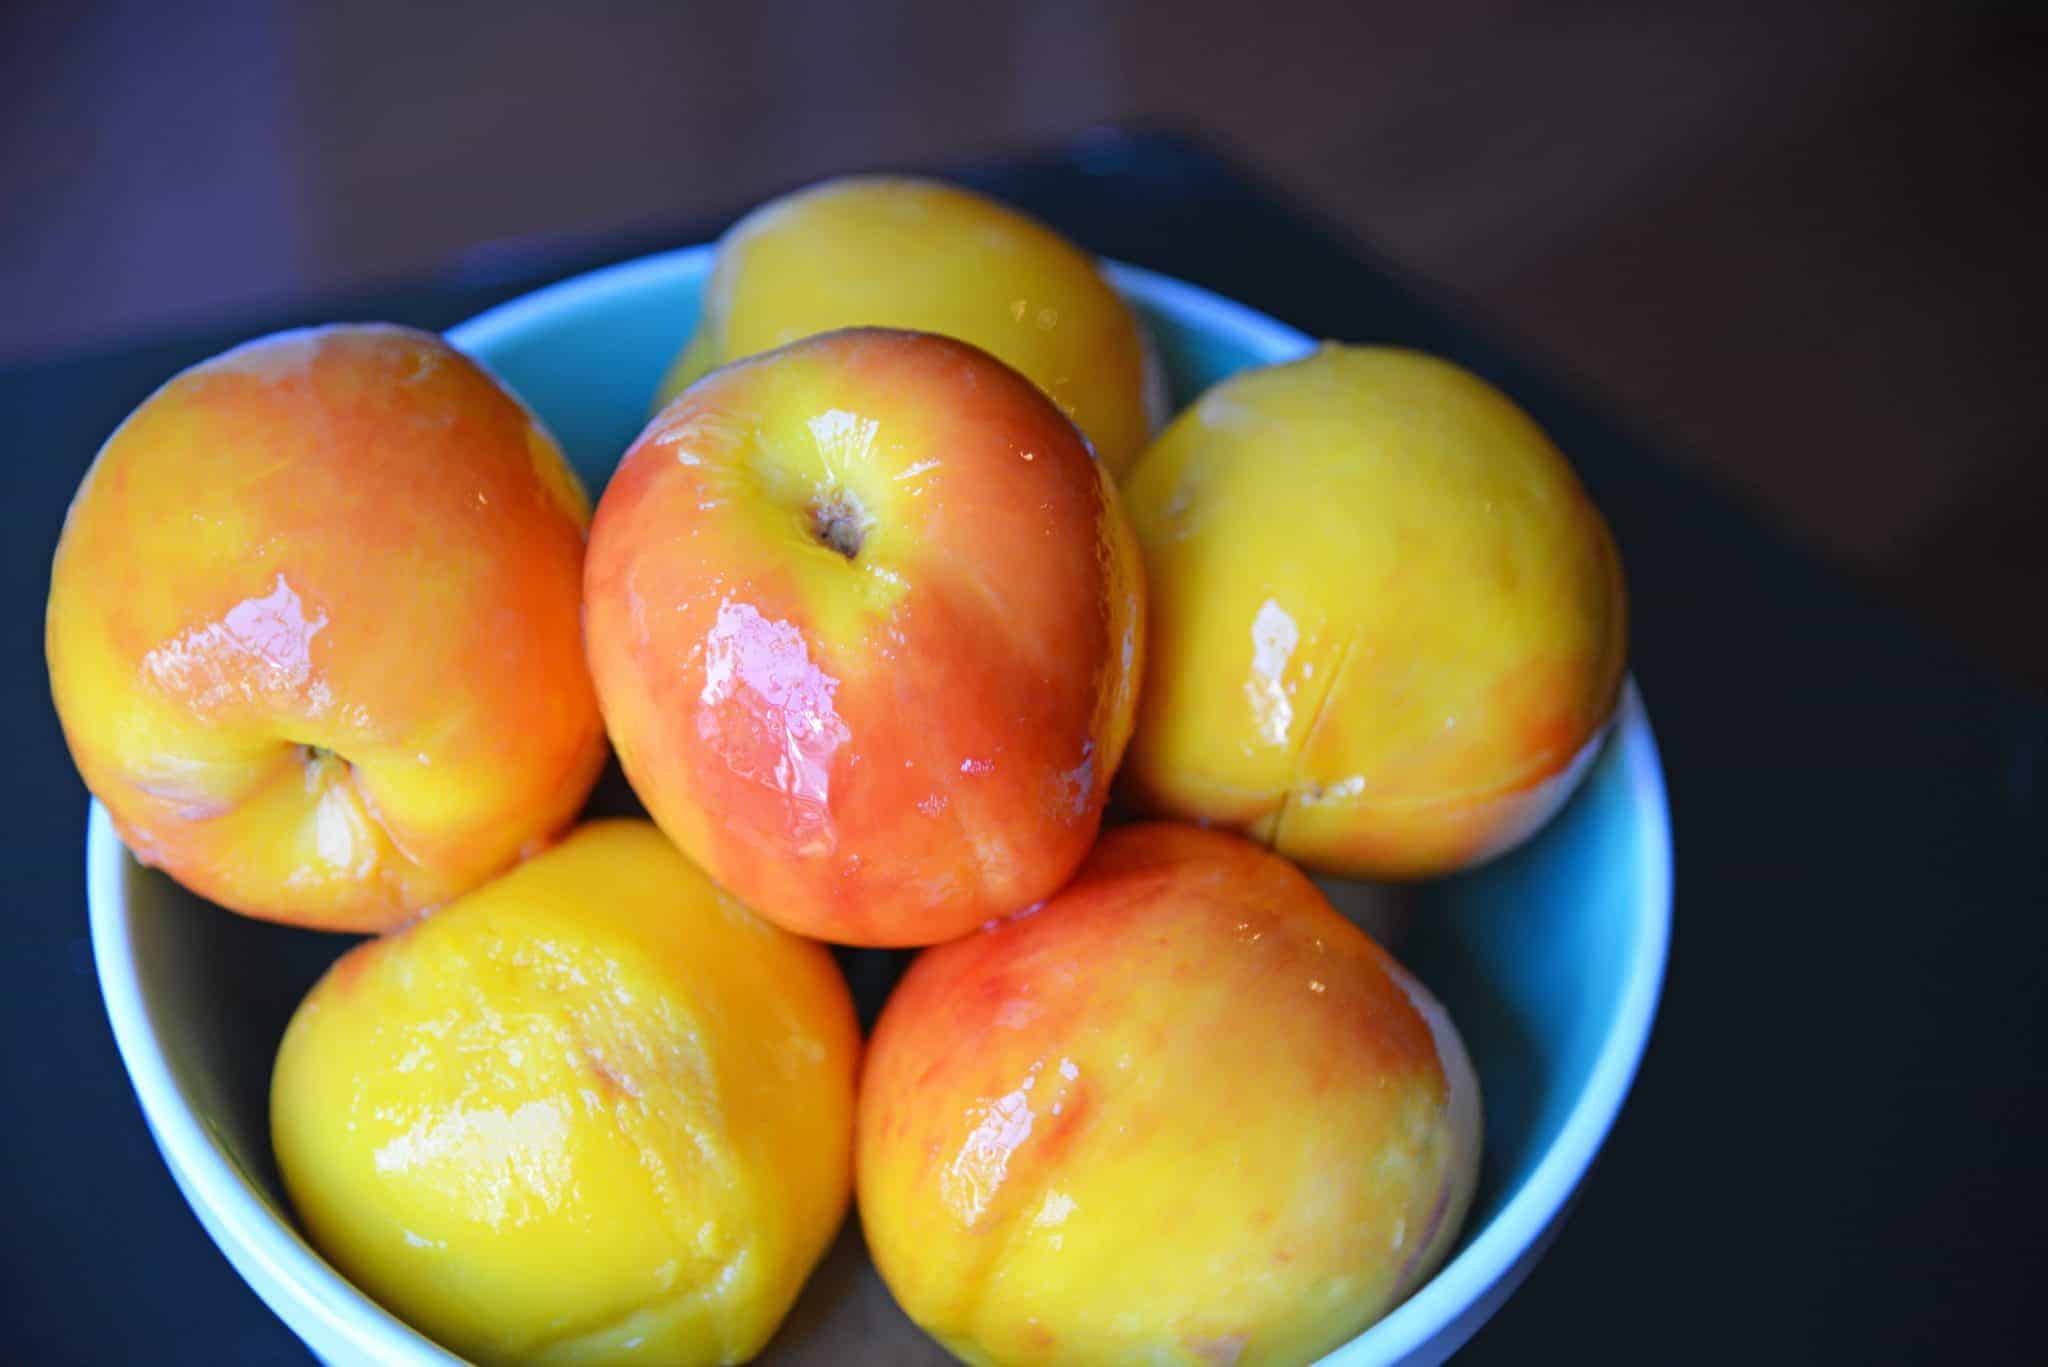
(1799, 245)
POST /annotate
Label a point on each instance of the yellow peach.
(595, 1111)
(1388, 626)
(313, 628)
(898, 252)
(1184, 1113)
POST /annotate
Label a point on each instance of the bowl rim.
(285, 1271)
(501, 321)
(1544, 1195)
(268, 1252)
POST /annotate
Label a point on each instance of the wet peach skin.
(594, 1111)
(1184, 1112)
(1389, 626)
(312, 628)
(888, 747)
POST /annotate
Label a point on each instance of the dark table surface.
(1835, 1149)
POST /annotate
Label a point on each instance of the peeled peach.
(891, 251)
(313, 628)
(1182, 1113)
(1388, 625)
(867, 626)
(595, 1111)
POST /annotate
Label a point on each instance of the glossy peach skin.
(595, 1111)
(901, 252)
(312, 628)
(1183, 1113)
(1389, 627)
(891, 746)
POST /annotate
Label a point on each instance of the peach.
(1389, 627)
(865, 622)
(313, 628)
(1183, 1113)
(892, 251)
(594, 1111)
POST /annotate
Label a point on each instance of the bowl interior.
(1549, 960)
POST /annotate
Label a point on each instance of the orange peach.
(1183, 1113)
(313, 628)
(865, 622)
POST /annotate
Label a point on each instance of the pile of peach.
(901, 578)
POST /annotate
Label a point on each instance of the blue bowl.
(1550, 959)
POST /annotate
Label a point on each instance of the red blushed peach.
(1183, 1113)
(865, 622)
(313, 631)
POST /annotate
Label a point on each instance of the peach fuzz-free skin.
(312, 629)
(866, 623)
(594, 1111)
(901, 252)
(1389, 627)
(1183, 1113)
